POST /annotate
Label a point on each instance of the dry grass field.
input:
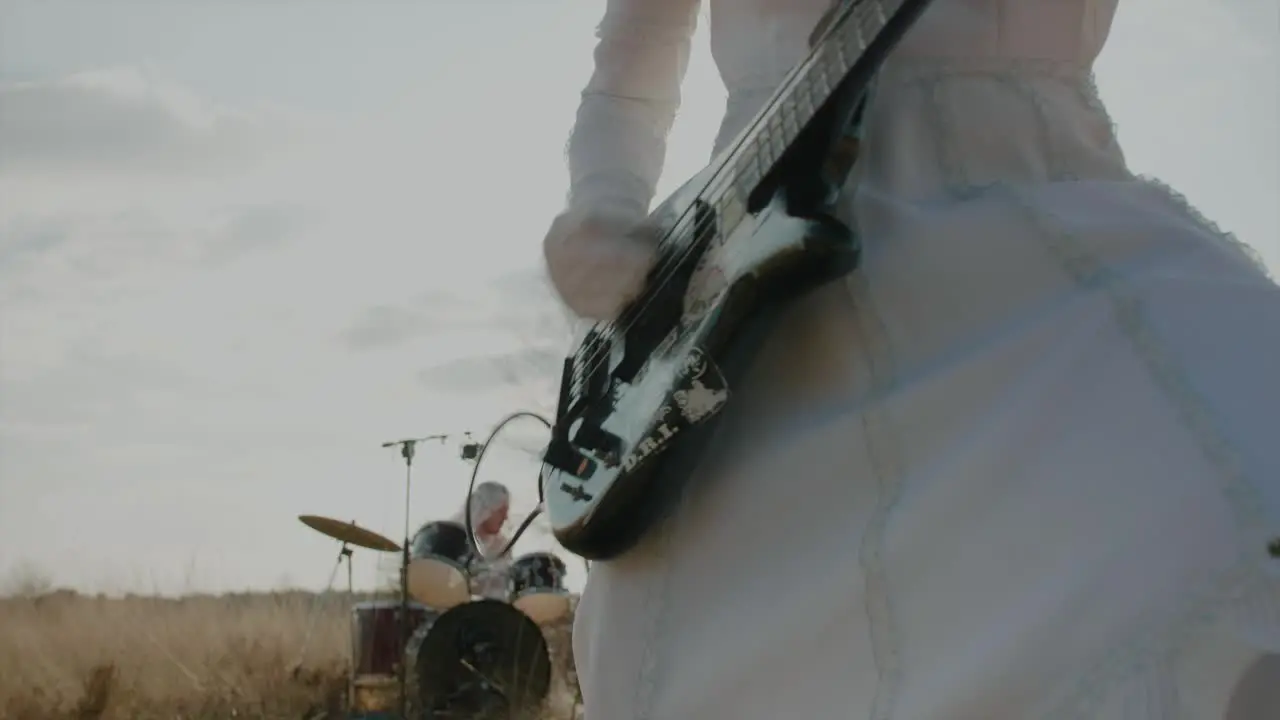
(65, 656)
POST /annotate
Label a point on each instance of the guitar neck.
(852, 48)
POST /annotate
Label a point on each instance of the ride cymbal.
(349, 532)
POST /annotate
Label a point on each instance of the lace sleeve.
(618, 144)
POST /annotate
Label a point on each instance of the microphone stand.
(407, 451)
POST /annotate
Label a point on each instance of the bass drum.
(483, 660)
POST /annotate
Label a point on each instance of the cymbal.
(349, 532)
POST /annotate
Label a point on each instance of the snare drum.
(376, 641)
(441, 556)
(535, 586)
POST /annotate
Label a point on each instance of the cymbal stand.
(408, 448)
(344, 553)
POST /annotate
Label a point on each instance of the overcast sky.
(241, 244)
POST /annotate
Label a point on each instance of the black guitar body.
(709, 355)
(642, 397)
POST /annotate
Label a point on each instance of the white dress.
(1025, 463)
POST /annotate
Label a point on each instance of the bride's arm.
(618, 144)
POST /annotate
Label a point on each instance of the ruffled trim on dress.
(1250, 604)
(1220, 236)
(1094, 99)
(1137, 679)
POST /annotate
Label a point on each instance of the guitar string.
(713, 192)
(727, 173)
(600, 352)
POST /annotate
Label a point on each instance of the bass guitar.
(642, 396)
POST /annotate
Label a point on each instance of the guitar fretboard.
(795, 103)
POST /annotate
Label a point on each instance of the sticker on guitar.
(700, 392)
(706, 285)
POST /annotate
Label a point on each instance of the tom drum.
(377, 638)
(440, 562)
(536, 587)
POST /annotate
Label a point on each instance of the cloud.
(124, 120)
(384, 326)
(115, 289)
(22, 242)
(392, 324)
(516, 368)
(98, 253)
(513, 306)
(213, 311)
(520, 368)
(512, 333)
(248, 228)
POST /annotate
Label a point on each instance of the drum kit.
(441, 650)
(441, 558)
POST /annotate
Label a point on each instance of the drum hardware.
(479, 452)
(470, 449)
(408, 447)
(350, 534)
(480, 678)
(475, 453)
(373, 694)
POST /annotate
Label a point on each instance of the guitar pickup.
(604, 444)
(562, 456)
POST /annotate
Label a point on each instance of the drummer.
(490, 504)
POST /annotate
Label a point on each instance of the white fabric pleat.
(1022, 465)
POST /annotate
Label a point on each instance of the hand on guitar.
(598, 260)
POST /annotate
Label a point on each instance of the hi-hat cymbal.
(349, 532)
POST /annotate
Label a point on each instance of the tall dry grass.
(65, 656)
